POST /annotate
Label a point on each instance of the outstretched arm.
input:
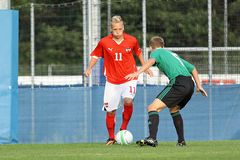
(146, 66)
(149, 72)
(197, 81)
(92, 63)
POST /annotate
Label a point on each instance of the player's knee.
(174, 109)
(174, 114)
(128, 102)
(152, 108)
(156, 108)
(112, 112)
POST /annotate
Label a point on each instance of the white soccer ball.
(124, 137)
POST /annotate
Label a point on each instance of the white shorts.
(114, 92)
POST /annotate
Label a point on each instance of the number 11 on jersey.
(118, 56)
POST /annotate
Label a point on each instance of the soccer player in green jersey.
(175, 95)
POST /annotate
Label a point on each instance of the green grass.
(212, 150)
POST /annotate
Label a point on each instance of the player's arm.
(198, 83)
(144, 67)
(191, 68)
(138, 51)
(92, 63)
(96, 54)
(149, 72)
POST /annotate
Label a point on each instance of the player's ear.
(150, 48)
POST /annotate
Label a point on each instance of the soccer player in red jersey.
(117, 50)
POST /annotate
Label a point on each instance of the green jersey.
(171, 64)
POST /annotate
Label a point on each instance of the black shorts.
(178, 92)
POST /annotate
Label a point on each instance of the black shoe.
(147, 141)
(181, 144)
(141, 142)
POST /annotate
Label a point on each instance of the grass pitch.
(212, 150)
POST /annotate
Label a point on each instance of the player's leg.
(153, 117)
(110, 123)
(178, 120)
(161, 102)
(153, 121)
(127, 112)
(178, 123)
(168, 97)
(128, 94)
(111, 102)
(181, 94)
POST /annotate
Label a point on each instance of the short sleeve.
(137, 49)
(154, 55)
(98, 51)
(188, 65)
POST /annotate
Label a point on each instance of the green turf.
(212, 150)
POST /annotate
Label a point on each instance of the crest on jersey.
(128, 50)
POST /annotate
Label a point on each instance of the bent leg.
(157, 105)
(128, 93)
(153, 115)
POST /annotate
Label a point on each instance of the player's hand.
(87, 72)
(200, 89)
(149, 72)
(131, 76)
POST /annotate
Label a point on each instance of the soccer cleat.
(110, 142)
(141, 142)
(147, 141)
(181, 144)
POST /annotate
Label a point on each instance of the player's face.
(117, 30)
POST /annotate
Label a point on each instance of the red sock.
(126, 115)
(110, 122)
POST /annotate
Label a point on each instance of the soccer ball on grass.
(124, 137)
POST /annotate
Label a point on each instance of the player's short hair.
(116, 19)
(156, 42)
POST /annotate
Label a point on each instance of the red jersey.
(118, 58)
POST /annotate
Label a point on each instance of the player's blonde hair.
(117, 19)
(156, 42)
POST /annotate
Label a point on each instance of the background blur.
(61, 31)
(57, 104)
